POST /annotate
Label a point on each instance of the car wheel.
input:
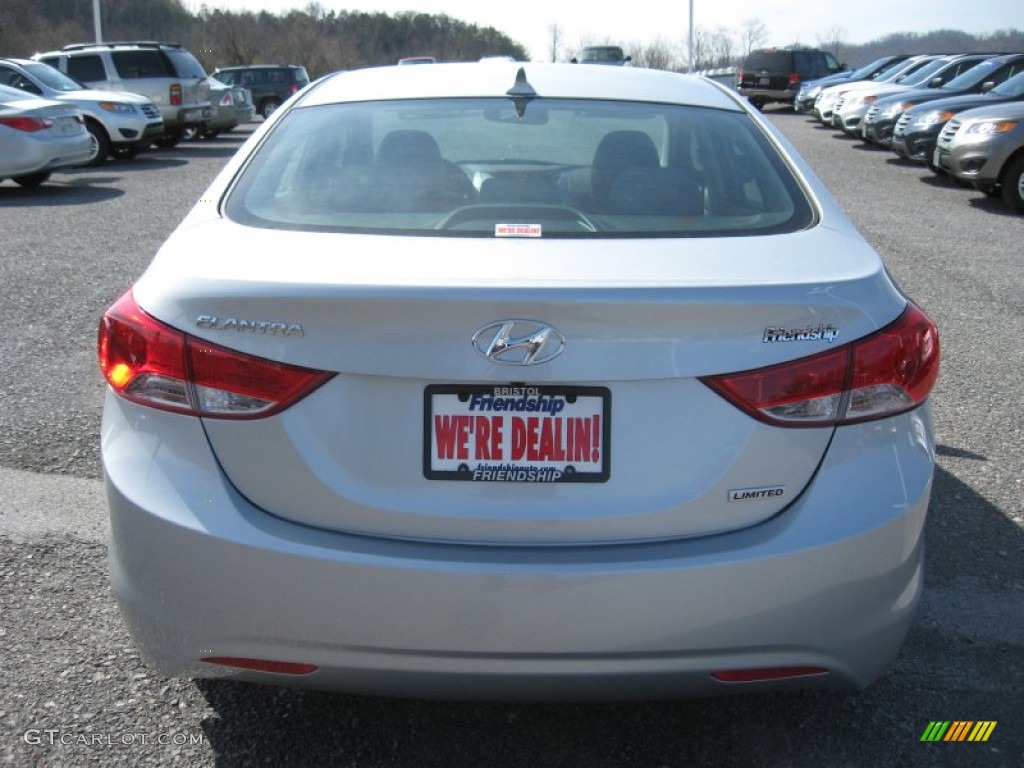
(125, 153)
(99, 143)
(32, 179)
(191, 133)
(170, 140)
(267, 107)
(1013, 185)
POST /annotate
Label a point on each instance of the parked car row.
(958, 114)
(128, 96)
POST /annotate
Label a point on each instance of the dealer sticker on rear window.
(518, 230)
(516, 434)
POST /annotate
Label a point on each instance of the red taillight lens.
(794, 78)
(176, 95)
(883, 374)
(293, 88)
(154, 364)
(768, 673)
(27, 124)
(263, 665)
(226, 100)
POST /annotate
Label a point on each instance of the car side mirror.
(573, 60)
(627, 58)
(987, 86)
(935, 82)
(31, 88)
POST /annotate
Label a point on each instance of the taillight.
(794, 78)
(176, 95)
(293, 88)
(226, 100)
(27, 124)
(888, 372)
(154, 364)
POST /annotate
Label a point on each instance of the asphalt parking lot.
(75, 692)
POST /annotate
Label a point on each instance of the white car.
(120, 123)
(518, 381)
(38, 136)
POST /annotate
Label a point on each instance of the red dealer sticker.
(516, 433)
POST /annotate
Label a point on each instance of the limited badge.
(756, 494)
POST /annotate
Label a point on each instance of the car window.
(1012, 88)
(992, 70)
(184, 64)
(924, 74)
(562, 168)
(230, 78)
(52, 78)
(86, 69)
(14, 79)
(301, 76)
(135, 65)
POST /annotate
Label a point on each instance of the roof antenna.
(521, 92)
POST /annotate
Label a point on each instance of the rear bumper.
(831, 582)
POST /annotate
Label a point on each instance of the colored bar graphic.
(959, 730)
(982, 730)
(935, 731)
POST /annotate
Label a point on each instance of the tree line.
(723, 47)
(327, 40)
(322, 41)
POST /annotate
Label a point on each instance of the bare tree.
(657, 54)
(753, 34)
(554, 41)
(722, 47)
(703, 49)
(833, 39)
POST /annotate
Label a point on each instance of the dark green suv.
(270, 84)
(774, 74)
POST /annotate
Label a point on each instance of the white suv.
(166, 73)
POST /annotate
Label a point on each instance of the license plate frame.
(517, 433)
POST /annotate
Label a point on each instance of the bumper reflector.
(263, 665)
(768, 673)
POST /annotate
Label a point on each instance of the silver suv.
(166, 73)
(985, 147)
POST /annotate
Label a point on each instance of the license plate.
(764, 80)
(67, 125)
(516, 433)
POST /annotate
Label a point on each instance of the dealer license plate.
(516, 433)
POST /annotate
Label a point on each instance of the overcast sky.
(640, 21)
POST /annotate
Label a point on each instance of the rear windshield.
(140, 64)
(775, 61)
(478, 168)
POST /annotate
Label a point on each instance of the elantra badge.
(518, 342)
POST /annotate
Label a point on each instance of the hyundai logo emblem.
(518, 342)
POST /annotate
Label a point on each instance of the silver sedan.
(518, 381)
(38, 136)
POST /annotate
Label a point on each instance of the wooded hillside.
(322, 41)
